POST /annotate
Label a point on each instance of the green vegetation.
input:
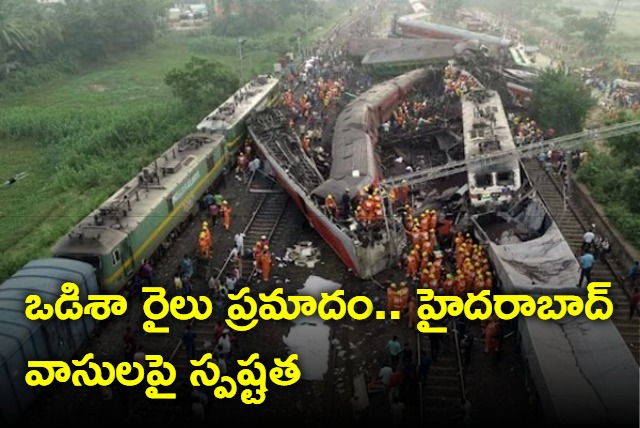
(200, 81)
(81, 126)
(446, 8)
(613, 177)
(79, 138)
(561, 101)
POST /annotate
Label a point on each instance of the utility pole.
(241, 42)
(613, 16)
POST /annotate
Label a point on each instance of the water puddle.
(309, 336)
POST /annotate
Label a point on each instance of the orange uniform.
(460, 286)
(413, 313)
(266, 263)
(330, 206)
(391, 291)
(403, 194)
(226, 215)
(257, 256)
(203, 245)
(412, 265)
(424, 278)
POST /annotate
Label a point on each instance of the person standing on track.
(395, 349)
(635, 302)
(239, 240)
(586, 264)
(265, 260)
(257, 256)
(226, 215)
(189, 340)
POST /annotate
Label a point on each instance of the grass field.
(81, 137)
(627, 20)
(78, 139)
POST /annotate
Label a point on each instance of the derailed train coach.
(354, 161)
(582, 371)
(23, 340)
(418, 26)
(355, 165)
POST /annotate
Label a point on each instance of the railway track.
(267, 215)
(569, 220)
(441, 394)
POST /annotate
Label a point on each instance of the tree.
(625, 147)
(560, 101)
(446, 8)
(593, 30)
(202, 82)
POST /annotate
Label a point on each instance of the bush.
(614, 184)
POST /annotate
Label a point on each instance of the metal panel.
(22, 340)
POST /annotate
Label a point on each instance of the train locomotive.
(102, 253)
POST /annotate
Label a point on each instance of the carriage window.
(115, 257)
(504, 178)
(484, 180)
(477, 133)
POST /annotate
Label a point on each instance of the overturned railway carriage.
(582, 370)
(130, 226)
(395, 60)
(486, 131)
(418, 25)
(354, 165)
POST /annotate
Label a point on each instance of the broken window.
(484, 180)
(505, 178)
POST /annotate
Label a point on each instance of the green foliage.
(560, 101)
(202, 82)
(565, 12)
(258, 18)
(613, 177)
(33, 34)
(20, 79)
(446, 8)
(592, 30)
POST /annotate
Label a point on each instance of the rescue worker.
(460, 285)
(391, 291)
(257, 256)
(403, 192)
(412, 317)
(478, 285)
(226, 215)
(203, 245)
(458, 241)
(266, 263)
(412, 265)
(433, 283)
(424, 278)
(448, 285)
(488, 281)
(207, 231)
(330, 206)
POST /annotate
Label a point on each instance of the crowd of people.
(458, 82)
